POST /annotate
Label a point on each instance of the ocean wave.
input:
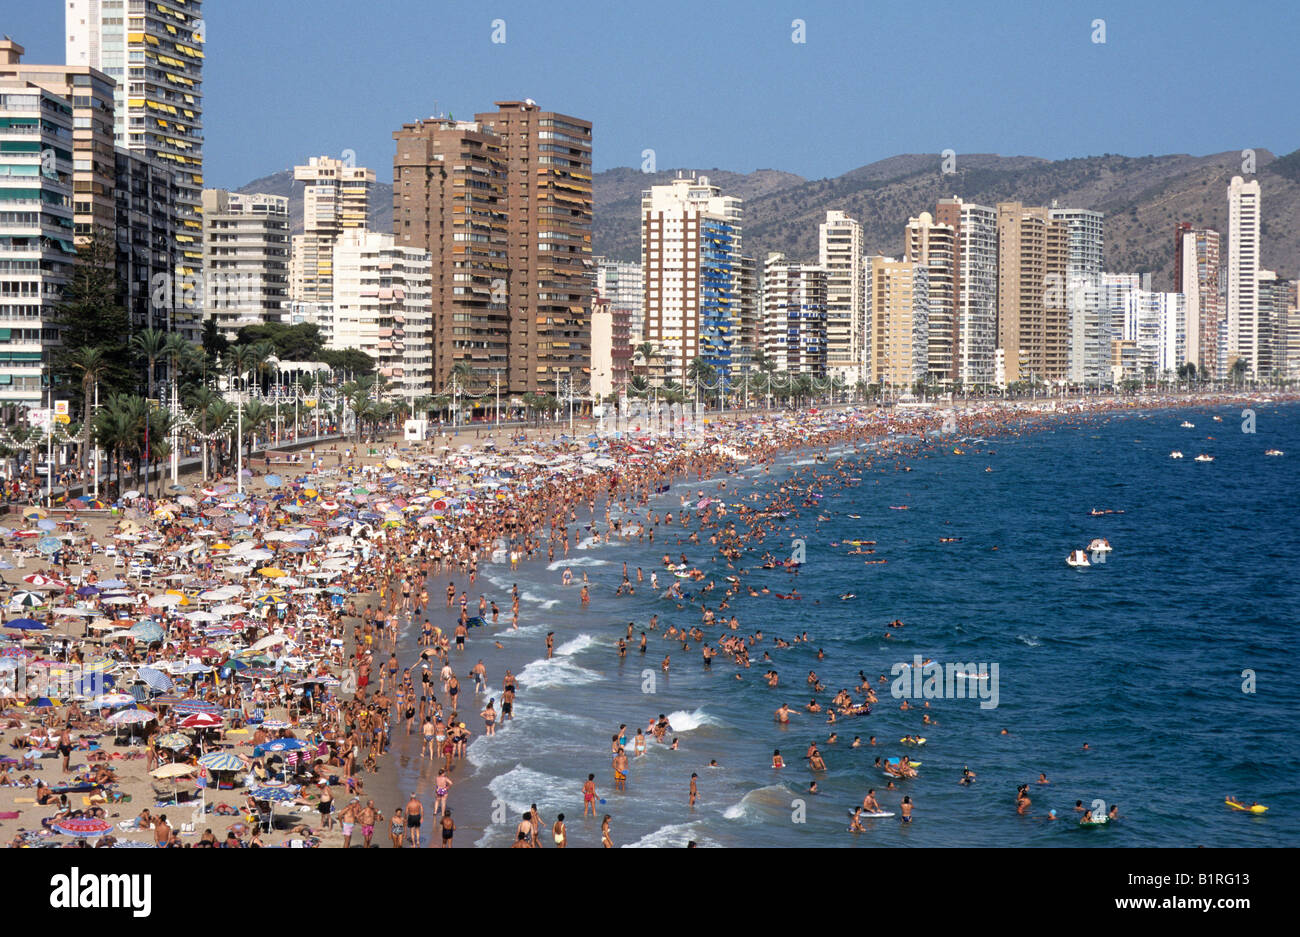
(674, 834)
(1029, 639)
(574, 645)
(760, 803)
(555, 672)
(576, 561)
(520, 787)
(683, 721)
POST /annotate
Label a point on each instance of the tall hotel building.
(1089, 330)
(620, 282)
(1033, 266)
(37, 253)
(690, 256)
(1243, 273)
(794, 316)
(976, 287)
(336, 199)
(154, 53)
(547, 161)
(934, 246)
(898, 301)
(1196, 276)
(245, 259)
(839, 246)
(503, 205)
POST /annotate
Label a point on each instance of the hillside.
(1142, 197)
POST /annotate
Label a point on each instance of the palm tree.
(646, 351)
(151, 345)
(256, 414)
(201, 400)
(115, 429)
(92, 364)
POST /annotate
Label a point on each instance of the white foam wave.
(521, 787)
(555, 672)
(683, 721)
(576, 561)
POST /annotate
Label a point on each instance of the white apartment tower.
(154, 51)
(245, 259)
(690, 258)
(839, 240)
(336, 198)
(383, 306)
(934, 246)
(795, 316)
(1243, 273)
(1088, 329)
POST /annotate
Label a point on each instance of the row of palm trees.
(129, 427)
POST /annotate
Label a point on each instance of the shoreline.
(473, 803)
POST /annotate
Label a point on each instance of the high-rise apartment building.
(795, 316)
(381, 306)
(690, 251)
(611, 348)
(245, 259)
(449, 199)
(898, 300)
(154, 53)
(1196, 276)
(547, 160)
(1089, 335)
(976, 287)
(620, 282)
(1033, 258)
(934, 245)
(1243, 273)
(37, 250)
(839, 253)
(335, 199)
(1274, 297)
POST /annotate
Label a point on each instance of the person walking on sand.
(414, 814)
(448, 829)
(442, 789)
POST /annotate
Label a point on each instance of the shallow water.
(1141, 657)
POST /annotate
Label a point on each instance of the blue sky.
(722, 85)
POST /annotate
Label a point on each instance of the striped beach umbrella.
(127, 717)
(221, 761)
(155, 679)
(174, 741)
(187, 707)
(200, 721)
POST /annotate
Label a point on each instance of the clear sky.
(721, 84)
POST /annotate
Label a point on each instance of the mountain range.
(1142, 198)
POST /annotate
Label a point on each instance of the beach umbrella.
(274, 724)
(112, 700)
(174, 770)
(188, 707)
(83, 826)
(26, 624)
(167, 699)
(221, 761)
(272, 794)
(112, 584)
(131, 717)
(284, 745)
(146, 631)
(173, 741)
(26, 599)
(166, 600)
(37, 581)
(87, 590)
(155, 679)
(200, 721)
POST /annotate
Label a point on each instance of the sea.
(1157, 680)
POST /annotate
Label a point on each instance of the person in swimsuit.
(589, 795)
(605, 839)
(906, 809)
(558, 832)
(443, 786)
(397, 828)
(414, 814)
(448, 829)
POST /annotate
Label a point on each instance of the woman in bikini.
(443, 787)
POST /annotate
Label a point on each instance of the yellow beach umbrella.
(271, 572)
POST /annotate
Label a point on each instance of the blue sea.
(1176, 660)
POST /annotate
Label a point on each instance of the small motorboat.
(1175, 454)
(1099, 545)
(1204, 458)
(1218, 419)
(1186, 425)
(1078, 559)
(1273, 452)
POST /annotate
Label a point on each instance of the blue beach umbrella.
(155, 679)
(26, 624)
(221, 761)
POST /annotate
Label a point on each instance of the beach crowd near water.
(221, 668)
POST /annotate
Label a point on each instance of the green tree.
(90, 315)
(91, 364)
